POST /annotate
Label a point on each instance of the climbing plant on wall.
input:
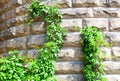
(92, 40)
(42, 68)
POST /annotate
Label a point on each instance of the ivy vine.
(43, 68)
(92, 40)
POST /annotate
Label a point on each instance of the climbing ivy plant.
(92, 40)
(42, 68)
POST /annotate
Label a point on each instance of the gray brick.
(70, 24)
(101, 23)
(77, 12)
(85, 3)
(115, 24)
(70, 77)
(69, 67)
(112, 67)
(36, 40)
(72, 39)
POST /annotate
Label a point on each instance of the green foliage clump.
(92, 40)
(43, 68)
(11, 68)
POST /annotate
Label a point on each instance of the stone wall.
(105, 14)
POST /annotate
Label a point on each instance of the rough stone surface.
(113, 77)
(22, 30)
(111, 3)
(36, 40)
(101, 23)
(112, 67)
(114, 38)
(70, 77)
(116, 53)
(72, 39)
(37, 28)
(115, 24)
(69, 67)
(85, 3)
(70, 24)
(17, 43)
(101, 12)
(77, 12)
(62, 3)
(71, 53)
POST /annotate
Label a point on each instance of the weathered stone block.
(36, 40)
(85, 3)
(114, 38)
(72, 39)
(111, 3)
(10, 14)
(70, 24)
(71, 53)
(70, 77)
(14, 32)
(112, 67)
(69, 67)
(62, 3)
(112, 77)
(115, 24)
(21, 30)
(116, 53)
(106, 53)
(17, 43)
(21, 10)
(101, 23)
(2, 47)
(38, 28)
(77, 12)
(101, 12)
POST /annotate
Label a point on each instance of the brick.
(14, 32)
(106, 53)
(62, 3)
(69, 67)
(38, 28)
(113, 77)
(111, 3)
(101, 23)
(101, 12)
(70, 24)
(72, 39)
(114, 24)
(70, 77)
(70, 53)
(113, 38)
(10, 14)
(2, 47)
(112, 67)
(21, 10)
(17, 43)
(65, 3)
(12, 4)
(116, 53)
(15, 21)
(77, 12)
(85, 3)
(36, 40)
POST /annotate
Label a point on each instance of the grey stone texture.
(76, 14)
